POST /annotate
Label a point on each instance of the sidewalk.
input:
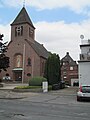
(7, 86)
(6, 92)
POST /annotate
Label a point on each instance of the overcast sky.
(58, 23)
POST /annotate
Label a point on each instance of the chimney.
(67, 53)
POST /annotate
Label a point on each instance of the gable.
(68, 59)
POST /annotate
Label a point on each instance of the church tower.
(22, 27)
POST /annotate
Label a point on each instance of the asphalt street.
(54, 105)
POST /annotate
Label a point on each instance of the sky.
(58, 23)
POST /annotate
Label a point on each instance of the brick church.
(27, 56)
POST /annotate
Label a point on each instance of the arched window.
(29, 61)
(19, 31)
(15, 31)
(31, 32)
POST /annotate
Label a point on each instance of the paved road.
(17, 110)
(55, 105)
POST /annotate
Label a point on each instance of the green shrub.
(36, 81)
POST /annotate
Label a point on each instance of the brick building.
(69, 69)
(27, 56)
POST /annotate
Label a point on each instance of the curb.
(9, 98)
(27, 90)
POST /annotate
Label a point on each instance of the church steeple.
(22, 18)
(22, 26)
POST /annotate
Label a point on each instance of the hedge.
(36, 81)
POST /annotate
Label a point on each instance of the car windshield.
(86, 89)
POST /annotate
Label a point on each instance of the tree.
(52, 69)
(4, 60)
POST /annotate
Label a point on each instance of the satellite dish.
(82, 36)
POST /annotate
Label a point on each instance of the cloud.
(12, 3)
(77, 6)
(57, 37)
(60, 37)
(5, 29)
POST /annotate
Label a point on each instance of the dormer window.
(19, 31)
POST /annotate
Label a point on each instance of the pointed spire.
(22, 18)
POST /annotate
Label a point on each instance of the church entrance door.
(18, 75)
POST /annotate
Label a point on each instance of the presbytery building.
(27, 56)
(69, 69)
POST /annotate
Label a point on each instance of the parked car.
(76, 83)
(83, 93)
(62, 84)
(58, 86)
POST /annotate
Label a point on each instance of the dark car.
(62, 84)
(76, 83)
(58, 86)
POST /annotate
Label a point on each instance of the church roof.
(39, 48)
(23, 17)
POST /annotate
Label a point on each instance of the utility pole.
(23, 63)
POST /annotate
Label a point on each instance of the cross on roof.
(24, 3)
